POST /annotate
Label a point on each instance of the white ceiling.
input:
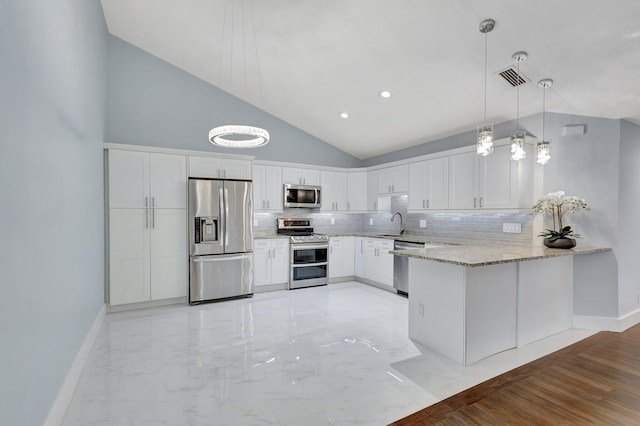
(318, 58)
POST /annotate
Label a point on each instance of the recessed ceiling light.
(385, 94)
(344, 115)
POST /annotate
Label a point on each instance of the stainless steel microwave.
(302, 196)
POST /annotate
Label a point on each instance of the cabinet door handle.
(475, 202)
(153, 212)
(263, 204)
(304, 181)
(375, 205)
(267, 203)
(269, 254)
(224, 173)
(348, 205)
(219, 175)
(274, 253)
(146, 212)
(423, 206)
(427, 203)
(480, 202)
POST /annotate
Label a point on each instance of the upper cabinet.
(429, 184)
(146, 180)
(357, 191)
(491, 182)
(463, 169)
(267, 188)
(219, 168)
(393, 179)
(300, 176)
(334, 190)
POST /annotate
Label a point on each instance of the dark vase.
(560, 243)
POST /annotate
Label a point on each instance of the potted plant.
(558, 204)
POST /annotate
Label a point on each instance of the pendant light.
(518, 137)
(543, 149)
(484, 136)
(239, 135)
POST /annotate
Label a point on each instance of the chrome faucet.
(401, 222)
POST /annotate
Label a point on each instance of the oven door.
(309, 265)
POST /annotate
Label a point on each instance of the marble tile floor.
(337, 354)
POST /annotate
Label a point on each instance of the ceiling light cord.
(485, 76)
(544, 102)
(518, 98)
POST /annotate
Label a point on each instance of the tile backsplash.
(471, 228)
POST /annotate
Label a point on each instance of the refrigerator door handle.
(223, 218)
(225, 201)
(218, 258)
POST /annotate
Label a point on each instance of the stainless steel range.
(309, 265)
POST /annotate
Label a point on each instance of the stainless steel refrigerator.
(220, 239)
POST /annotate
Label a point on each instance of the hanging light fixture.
(518, 137)
(543, 149)
(484, 136)
(238, 135)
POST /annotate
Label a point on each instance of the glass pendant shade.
(517, 146)
(543, 152)
(485, 139)
(237, 136)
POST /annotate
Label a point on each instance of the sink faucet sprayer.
(401, 222)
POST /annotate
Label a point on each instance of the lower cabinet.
(270, 261)
(341, 257)
(147, 255)
(378, 263)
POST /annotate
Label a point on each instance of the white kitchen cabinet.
(358, 256)
(429, 184)
(334, 190)
(341, 257)
(393, 179)
(378, 263)
(372, 190)
(300, 176)
(219, 168)
(147, 227)
(129, 260)
(147, 255)
(357, 191)
(463, 169)
(270, 261)
(145, 180)
(492, 182)
(267, 188)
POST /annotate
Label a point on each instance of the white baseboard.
(607, 323)
(65, 394)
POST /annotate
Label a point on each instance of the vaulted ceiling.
(307, 61)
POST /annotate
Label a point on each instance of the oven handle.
(305, 265)
(309, 246)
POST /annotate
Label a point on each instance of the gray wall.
(629, 242)
(156, 104)
(52, 81)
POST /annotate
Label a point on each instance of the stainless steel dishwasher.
(401, 266)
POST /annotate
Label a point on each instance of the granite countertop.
(483, 255)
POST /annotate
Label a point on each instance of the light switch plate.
(512, 228)
(370, 222)
(333, 220)
(423, 223)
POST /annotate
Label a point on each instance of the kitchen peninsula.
(469, 302)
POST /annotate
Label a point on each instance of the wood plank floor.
(595, 381)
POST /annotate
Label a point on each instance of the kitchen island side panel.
(437, 308)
